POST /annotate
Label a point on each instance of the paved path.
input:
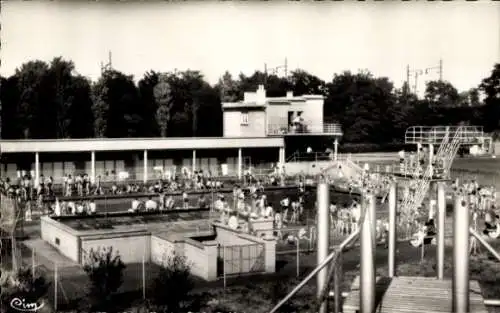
(49, 253)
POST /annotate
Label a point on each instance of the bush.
(172, 287)
(105, 271)
(23, 286)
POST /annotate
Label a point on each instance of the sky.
(322, 38)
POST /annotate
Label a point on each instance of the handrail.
(491, 302)
(311, 275)
(485, 244)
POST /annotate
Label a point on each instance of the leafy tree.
(11, 127)
(163, 96)
(275, 86)
(100, 107)
(147, 98)
(360, 102)
(228, 88)
(172, 287)
(441, 94)
(303, 83)
(105, 271)
(59, 81)
(79, 115)
(22, 285)
(490, 86)
(30, 79)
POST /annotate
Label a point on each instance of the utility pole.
(286, 68)
(419, 72)
(108, 66)
(275, 70)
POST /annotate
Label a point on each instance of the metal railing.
(435, 134)
(277, 129)
(334, 258)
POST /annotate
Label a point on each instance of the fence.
(68, 283)
(240, 259)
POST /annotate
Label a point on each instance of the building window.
(244, 118)
(58, 241)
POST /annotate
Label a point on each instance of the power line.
(276, 70)
(108, 66)
(416, 73)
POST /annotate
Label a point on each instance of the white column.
(145, 164)
(323, 198)
(441, 217)
(37, 169)
(194, 161)
(240, 163)
(393, 198)
(281, 156)
(367, 268)
(335, 148)
(92, 167)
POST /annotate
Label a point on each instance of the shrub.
(171, 288)
(105, 271)
(23, 286)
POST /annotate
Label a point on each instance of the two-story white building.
(260, 116)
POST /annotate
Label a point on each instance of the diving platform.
(414, 295)
(409, 174)
(434, 135)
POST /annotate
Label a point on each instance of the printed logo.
(23, 306)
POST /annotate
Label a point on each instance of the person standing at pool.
(151, 205)
(92, 207)
(285, 204)
(135, 205)
(185, 200)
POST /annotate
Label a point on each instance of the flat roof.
(179, 221)
(131, 144)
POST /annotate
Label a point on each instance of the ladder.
(446, 152)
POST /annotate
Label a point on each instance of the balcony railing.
(304, 129)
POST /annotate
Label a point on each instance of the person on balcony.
(298, 123)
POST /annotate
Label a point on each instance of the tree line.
(52, 101)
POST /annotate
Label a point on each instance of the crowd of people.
(416, 163)
(81, 185)
(481, 201)
(75, 190)
(249, 199)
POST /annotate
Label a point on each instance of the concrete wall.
(131, 247)
(308, 168)
(202, 257)
(233, 126)
(228, 237)
(242, 261)
(162, 248)
(53, 231)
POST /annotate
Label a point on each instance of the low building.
(212, 249)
